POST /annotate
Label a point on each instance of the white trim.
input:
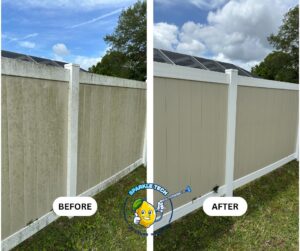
(188, 208)
(231, 129)
(26, 232)
(297, 147)
(73, 110)
(16, 238)
(196, 204)
(297, 140)
(264, 83)
(96, 79)
(149, 114)
(19, 68)
(267, 169)
(186, 73)
(111, 180)
(145, 145)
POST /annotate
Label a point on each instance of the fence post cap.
(68, 66)
(231, 71)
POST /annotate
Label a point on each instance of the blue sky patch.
(65, 30)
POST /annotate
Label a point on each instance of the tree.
(114, 63)
(128, 45)
(283, 64)
(276, 66)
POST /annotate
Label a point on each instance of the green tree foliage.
(127, 55)
(114, 63)
(276, 66)
(283, 64)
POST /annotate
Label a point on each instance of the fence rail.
(214, 129)
(64, 132)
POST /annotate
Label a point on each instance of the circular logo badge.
(140, 214)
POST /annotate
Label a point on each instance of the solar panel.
(210, 64)
(23, 57)
(164, 56)
(183, 60)
(159, 57)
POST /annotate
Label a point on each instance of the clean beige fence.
(214, 129)
(189, 131)
(267, 123)
(60, 140)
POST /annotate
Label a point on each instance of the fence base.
(196, 204)
(26, 232)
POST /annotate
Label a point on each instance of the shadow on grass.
(198, 231)
(105, 230)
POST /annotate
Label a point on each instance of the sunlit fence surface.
(64, 132)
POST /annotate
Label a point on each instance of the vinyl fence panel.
(34, 113)
(111, 131)
(266, 131)
(64, 132)
(215, 129)
(189, 136)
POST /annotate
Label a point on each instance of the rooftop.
(169, 57)
(24, 57)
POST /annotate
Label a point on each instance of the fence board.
(34, 129)
(266, 127)
(189, 136)
(111, 127)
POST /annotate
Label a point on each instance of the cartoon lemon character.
(145, 214)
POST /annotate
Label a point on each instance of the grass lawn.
(271, 222)
(105, 230)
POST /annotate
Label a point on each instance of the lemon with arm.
(145, 212)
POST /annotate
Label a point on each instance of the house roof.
(169, 57)
(24, 57)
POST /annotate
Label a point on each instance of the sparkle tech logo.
(140, 214)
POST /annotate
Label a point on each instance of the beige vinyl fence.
(64, 132)
(218, 129)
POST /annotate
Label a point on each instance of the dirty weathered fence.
(64, 132)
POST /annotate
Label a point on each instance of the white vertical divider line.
(150, 118)
(73, 109)
(144, 157)
(231, 130)
(297, 141)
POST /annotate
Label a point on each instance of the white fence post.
(145, 146)
(73, 107)
(297, 145)
(231, 124)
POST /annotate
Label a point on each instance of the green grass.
(106, 230)
(271, 222)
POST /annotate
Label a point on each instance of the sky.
(232, 31)
(64, 30)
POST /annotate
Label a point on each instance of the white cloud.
(27, 44)
(165, 35)
(208, 4)
(60, 50)
(237, 32)
(86, 62)
(245, 65)
(69, 4)
(201, 4)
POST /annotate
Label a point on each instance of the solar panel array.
(175, 58)
(23, 57)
